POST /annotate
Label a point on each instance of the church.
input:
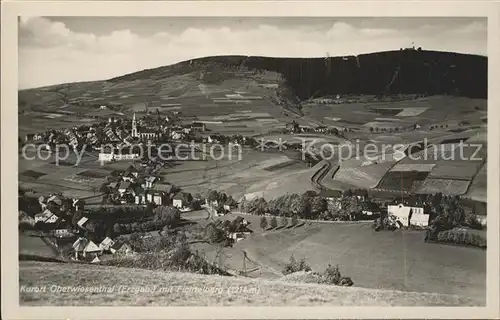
(144, 133)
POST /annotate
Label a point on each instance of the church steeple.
(134, 127)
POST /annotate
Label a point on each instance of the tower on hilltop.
(134, 127)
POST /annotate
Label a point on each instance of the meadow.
(203, 290)
(398, 260)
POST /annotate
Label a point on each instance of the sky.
(54, 50)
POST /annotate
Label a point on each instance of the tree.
(116, 228)
(274, 222)
(213, 195)
(258, 206)
(318, 205)
(263, 223)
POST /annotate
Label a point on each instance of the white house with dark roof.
(409, 212)
(106, 244)
(44, 216)
(81, 223)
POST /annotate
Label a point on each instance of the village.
(141, 191)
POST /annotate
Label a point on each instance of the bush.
(461, 237)
(473, 222)
(294, 266)
(332, 276)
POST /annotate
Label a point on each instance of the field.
(403, 180)
(465, 170)
(363, 176)
(72, 181)
(35, 246)
(239, 101)
(414, 265)
(253, 173)
(478, 187)
(445, 186)
(203, 290)
(424, 111)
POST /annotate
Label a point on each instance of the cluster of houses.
(87, 250)
(54, 209)
(116, 132)
(135, 187)
(407, 210)
(236, 230)
(294, 127)
(217, 208)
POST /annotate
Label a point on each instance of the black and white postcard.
(297, 155)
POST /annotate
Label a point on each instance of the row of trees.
(309, 205)
(163, 217)
(273, 222)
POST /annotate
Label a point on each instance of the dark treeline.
(390, 72)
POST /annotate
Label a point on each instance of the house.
(124, 187)
(163, 188)
(44, 216)
(79, 245)
(121, 248)
(41, 217)
(63, 233)
(91, 248)
(81, 223)
(129, 177)
(113, 185)
(133, 171)
(52, 219)
(240, 234)
(106, 244)
(370, 209)
(106, 156)
(29, 137)
(149, 181)
(55, 199)
(321, 129)
(182, 199)
(175, 135)
(409, 212)
(198, 126)
(156, 198)
(360, 194)
(78, 204)
(293, 126)
(213, 139)
(86, 247)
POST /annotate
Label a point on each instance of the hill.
(183, 289)
(390, 72)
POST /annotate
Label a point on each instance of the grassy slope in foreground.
(270, 293)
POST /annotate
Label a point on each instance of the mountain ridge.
(405, 71)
